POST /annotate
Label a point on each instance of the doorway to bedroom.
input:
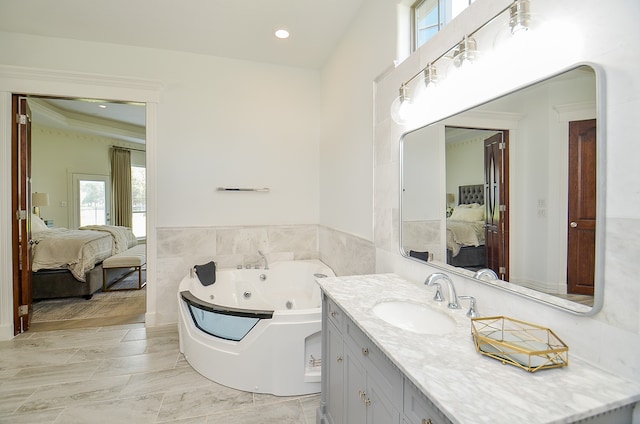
(71, 144)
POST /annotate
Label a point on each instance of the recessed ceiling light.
(282, 33)
(102, 106)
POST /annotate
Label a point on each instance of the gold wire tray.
(519, 343)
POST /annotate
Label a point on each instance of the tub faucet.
(486, 271)
(266, 264)
(453, 297)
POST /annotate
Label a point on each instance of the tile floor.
(124, 374)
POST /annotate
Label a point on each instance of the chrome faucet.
(472, 312)
(453, 297)
(266, 264)
(486, 271)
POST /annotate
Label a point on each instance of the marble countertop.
(466, 386)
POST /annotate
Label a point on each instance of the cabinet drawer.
(420, 410)
(334, 313)
(382, 369)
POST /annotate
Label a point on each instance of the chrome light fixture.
(465, 52)
(519, 16)
(400, 106)
(430, 75)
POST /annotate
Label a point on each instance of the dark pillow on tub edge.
(206, 273)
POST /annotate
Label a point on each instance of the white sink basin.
(414, 317)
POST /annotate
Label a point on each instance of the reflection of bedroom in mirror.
(510, 185)
(88, 254)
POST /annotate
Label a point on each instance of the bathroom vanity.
(375, 371)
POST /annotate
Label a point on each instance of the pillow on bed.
(37, 224)
(470, 205)
(469, 214)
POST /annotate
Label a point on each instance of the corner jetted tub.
(256, 330)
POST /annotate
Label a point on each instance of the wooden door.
(496, 180)
(21, 207)
(581, 223)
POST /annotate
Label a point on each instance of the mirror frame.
(541, 297)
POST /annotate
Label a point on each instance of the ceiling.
(121, 121)
(241, 29)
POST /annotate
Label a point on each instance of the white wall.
(346, 150)
(611, 338)
(465, 164)
(214, 122)
(221, 122)
(58, 153)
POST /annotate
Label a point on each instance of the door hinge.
(23, 310)
(22, 119)
(503, 208)
(502, 270)
(502, 145)
(21, 214)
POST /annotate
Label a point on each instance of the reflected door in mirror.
(581, 249)
(496, 203)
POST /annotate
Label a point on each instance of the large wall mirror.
(514, 185)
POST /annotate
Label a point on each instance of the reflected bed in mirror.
(511, 185)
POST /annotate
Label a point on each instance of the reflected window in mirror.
(510, 185)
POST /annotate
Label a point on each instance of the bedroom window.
(430, 16)
(91, 199)
(139, 201)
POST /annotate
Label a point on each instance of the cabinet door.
(335, 375)
(379, 407)
(420, 410)
(356, 389)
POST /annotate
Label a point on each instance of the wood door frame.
(21, 205)
(80, 85)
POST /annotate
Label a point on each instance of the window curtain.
(121, 187)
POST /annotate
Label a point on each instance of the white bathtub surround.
(180, 248)
(466, 386)
(345, 253)
(266, 337)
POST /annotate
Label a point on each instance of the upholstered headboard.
(471, 194)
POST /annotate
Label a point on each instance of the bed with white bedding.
(68, 262)
(466, 229)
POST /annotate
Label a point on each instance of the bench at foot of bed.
(133, 259)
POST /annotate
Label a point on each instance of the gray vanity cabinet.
(334, 378)
(355, 391)
(365, 401)
(420, 410)
(360, 385)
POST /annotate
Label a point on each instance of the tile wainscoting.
(180, 248)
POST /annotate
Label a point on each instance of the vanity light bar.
(466, 50)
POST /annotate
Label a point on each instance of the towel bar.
(242, 189)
